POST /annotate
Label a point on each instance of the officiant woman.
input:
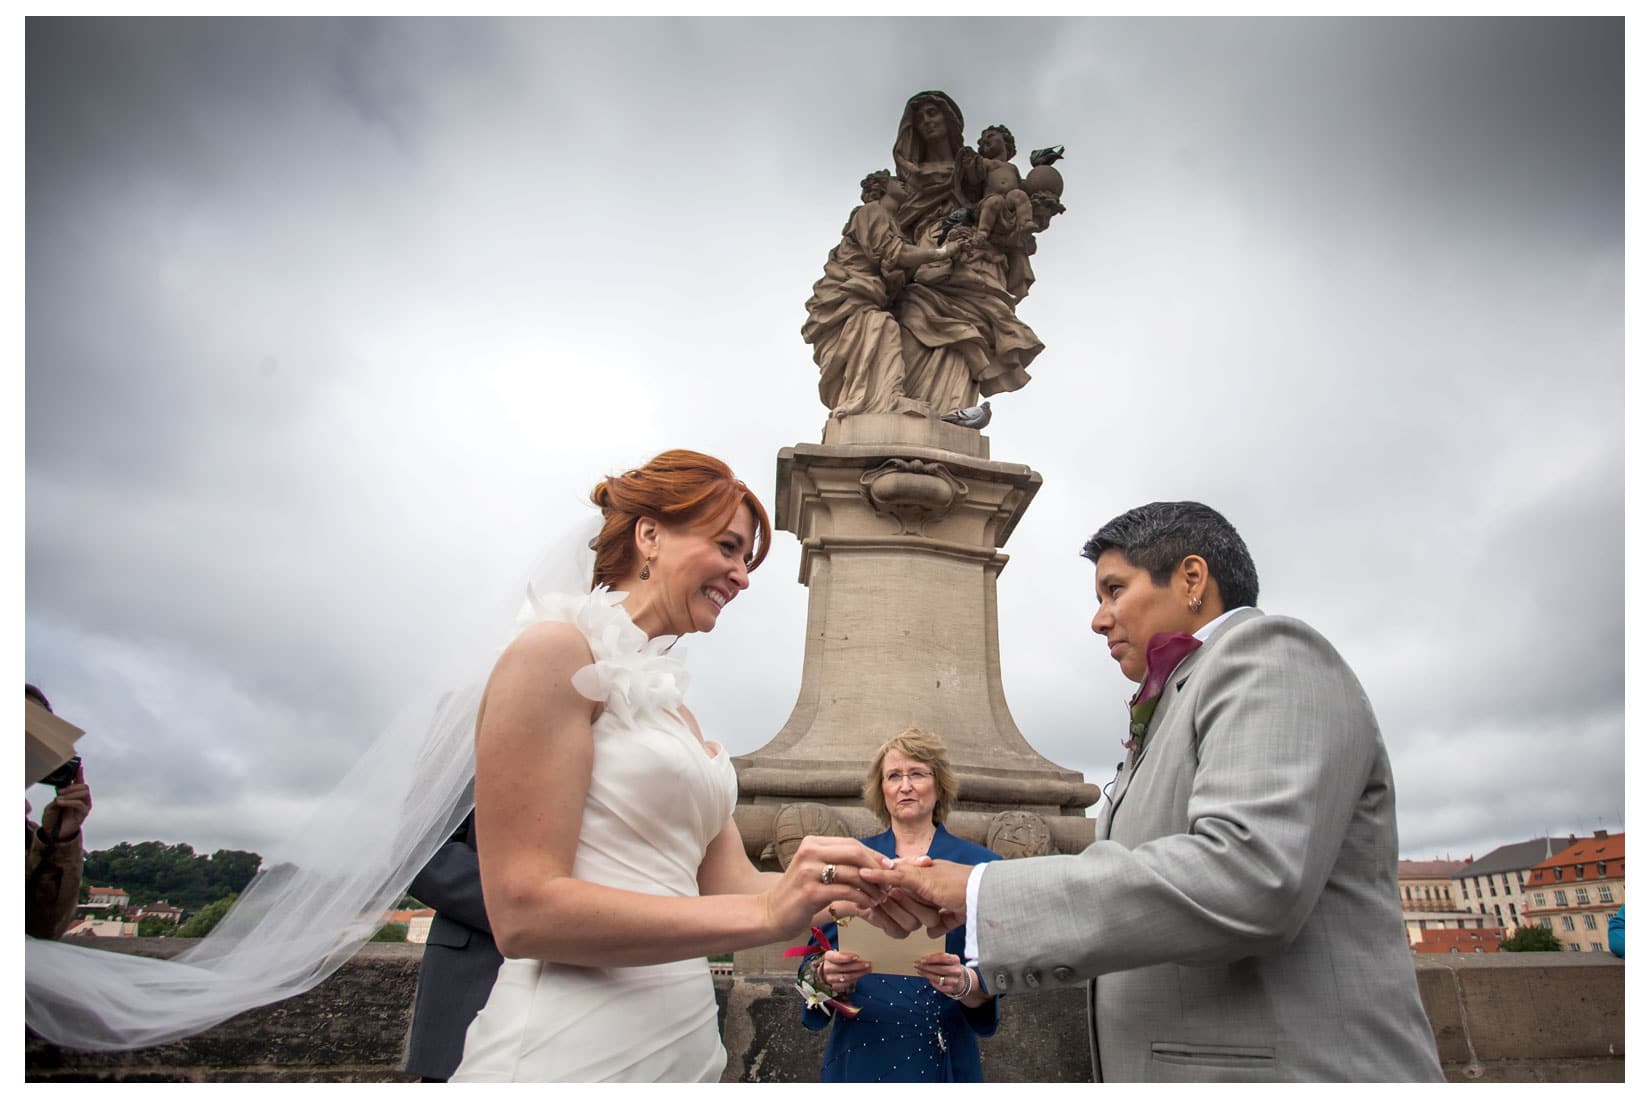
(908, 1028)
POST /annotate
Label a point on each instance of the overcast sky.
(331, 326)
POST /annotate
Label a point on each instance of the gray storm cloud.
(331, 324)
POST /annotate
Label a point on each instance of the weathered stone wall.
(1511, 1017)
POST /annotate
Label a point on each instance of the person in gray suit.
(1237, 917)
(460, 958)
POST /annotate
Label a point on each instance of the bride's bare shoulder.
(558, 645)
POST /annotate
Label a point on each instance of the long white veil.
(302, 918)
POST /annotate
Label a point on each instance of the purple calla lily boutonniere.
(1163, 655)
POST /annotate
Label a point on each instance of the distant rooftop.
(1429, 868)
(1515, 857)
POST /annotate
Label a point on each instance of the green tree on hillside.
(152, 871)
(207, 919)
(1532, 937)
(156, 926)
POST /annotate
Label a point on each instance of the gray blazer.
(1237, 918)
(460, 959)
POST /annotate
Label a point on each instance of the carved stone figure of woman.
(960, 337)
(856, 340)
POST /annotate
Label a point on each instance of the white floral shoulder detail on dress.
(632, 671)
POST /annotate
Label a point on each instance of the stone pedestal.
(901, 521)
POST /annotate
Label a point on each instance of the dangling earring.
(1196, 605)
(647, 569)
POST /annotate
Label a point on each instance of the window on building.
(1497, 914)
(1606, 896)
(1558, 874)
(1546, 922)
(1589, 922)
(1581, 869)
(1477, 887)
(1454, 950)
(1492, 888)
(1478, 950)
(1505, 885)
(1597, 946)
(1603, 869)
(1540, 899)
(1575, 947)
(1581, 896)
(1560, 898)
(1521, 880)
(1569, 922)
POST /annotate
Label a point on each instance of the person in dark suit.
(460, 958)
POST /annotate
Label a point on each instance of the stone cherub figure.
(1005, 222)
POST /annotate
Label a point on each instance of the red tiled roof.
(1587, 854)
(1438, 941)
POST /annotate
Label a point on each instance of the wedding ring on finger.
(828, 875)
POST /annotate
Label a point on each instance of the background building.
(103, 901)
(1575, 891)
(1427, 891)
(1494, 886)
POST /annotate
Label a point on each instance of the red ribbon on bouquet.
(818, 946)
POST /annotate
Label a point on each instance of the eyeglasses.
(915, 775)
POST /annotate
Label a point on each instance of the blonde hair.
(924, 748)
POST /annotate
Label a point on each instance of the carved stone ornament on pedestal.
(796, 821)
(1013, 834)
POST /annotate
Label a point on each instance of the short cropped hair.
(1158, 537)
(925, 748)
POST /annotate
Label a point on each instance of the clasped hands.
(897, 895)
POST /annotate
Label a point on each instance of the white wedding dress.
(656, 801)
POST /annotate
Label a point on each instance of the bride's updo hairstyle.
(679, 489)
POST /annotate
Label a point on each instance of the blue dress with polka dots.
(906, 1030)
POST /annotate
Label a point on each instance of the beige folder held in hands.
(47, 742)
(886, 954)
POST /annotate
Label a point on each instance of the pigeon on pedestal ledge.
(975, 416)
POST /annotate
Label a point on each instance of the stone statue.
(1013, 834)
(796, 820)
(915, 312)
(855, 338)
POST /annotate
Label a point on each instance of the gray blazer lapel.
(1183, 671)
(1182, 676)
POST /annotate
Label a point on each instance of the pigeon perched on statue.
(963, 215)
(975, 416)
(1053, 153)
